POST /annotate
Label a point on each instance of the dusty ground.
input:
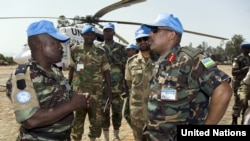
(9, 127)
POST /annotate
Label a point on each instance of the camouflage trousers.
(137, 127)
(244, 97)
(138, 120)
(94, 114)
(156, 135)
(237, 104)
(116, 107)
(126, 112)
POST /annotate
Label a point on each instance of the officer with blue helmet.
(117, 59)
(131, 49)
(89, 68)
(240, 68)
(186, 86)
(42, 99)
(138, 74)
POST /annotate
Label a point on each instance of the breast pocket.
(137, 76)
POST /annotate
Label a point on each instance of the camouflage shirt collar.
(40, 69)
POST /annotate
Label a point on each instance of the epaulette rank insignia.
(21, 69)
(208, 62)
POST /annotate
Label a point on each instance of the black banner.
(199, 132)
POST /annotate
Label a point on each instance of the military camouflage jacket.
(38, 89)
(240, 62)
(94, 63)
(181, 85)
(117, 58)
(138, 74)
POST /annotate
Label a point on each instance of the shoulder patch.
(23, 96)
(208, 62)
(132, 58)
(21, 68)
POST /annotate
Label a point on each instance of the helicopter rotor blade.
(121, 22)
(206, 35)
(29, 18)
(187, 31)
(117, 5)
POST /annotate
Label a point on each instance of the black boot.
(234, 121)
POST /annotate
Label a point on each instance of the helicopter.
(96, 19)
(73, 29)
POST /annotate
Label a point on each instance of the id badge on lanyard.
(168, 93)
(80, 64)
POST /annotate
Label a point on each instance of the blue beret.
(245, 45)
(132, 45)
(109, 25)
(142, 31)
(88, 28)
(168, 20)
(45, 26)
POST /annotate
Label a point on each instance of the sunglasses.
(155, 29)
(138, 40)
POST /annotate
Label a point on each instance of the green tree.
(233, 46)
(2, 57)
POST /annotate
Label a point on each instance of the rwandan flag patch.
(208, 62)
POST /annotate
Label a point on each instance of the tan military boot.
(116, 135)
(106, 135)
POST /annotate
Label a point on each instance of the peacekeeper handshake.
(81, 100)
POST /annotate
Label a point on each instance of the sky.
(224, 18)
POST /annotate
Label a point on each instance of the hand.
(81, 100)
(109, 96)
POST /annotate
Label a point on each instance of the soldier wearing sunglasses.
(137, 75)
(187, 88)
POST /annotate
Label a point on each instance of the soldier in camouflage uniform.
(42, 100)
(117, 59)
(239, 70)
(186, 87)
(138, 74)
(244, 89)
(244, 98)
(87, 73)
(131, 50)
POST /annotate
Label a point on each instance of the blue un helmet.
(142, 31)
(88, 28)
(168, 20)
(245, 45)
(132, 45)
(45, 26)
(109, 26)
